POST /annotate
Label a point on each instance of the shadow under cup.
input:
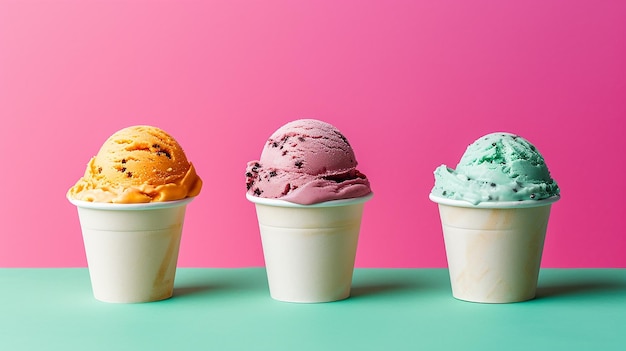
(132, 249)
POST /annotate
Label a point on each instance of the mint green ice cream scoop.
(497, 167)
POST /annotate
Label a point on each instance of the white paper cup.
(309, 250)
(494, 249)
(132, 249)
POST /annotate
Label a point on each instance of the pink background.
(410, 83)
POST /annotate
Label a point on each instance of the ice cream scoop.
(306, 161)
(138, 164)
(497, 167)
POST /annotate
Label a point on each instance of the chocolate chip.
(129, 174)
(163, 152)
(301, 138)
(123, 169)
(493, 184)
(274, 144)
(273, 174)
(299, 163)
(257, 192)
(444, 193)
(283, 141)
(123, 161)
(248, 174)
(345, 140)
(493, 144)
(532, 196)
(249, 185)
(156, 146)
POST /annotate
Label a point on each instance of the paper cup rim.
(493, 204)
(331, 203)
(108, 206)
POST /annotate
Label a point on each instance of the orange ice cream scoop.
(135, 165)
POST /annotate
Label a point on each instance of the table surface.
(390, 309)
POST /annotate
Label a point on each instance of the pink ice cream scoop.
(306, 162)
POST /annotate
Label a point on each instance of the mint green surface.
(391, 309)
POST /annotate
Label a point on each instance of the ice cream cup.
(309, 250)
(494, 248)
(132, 249)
